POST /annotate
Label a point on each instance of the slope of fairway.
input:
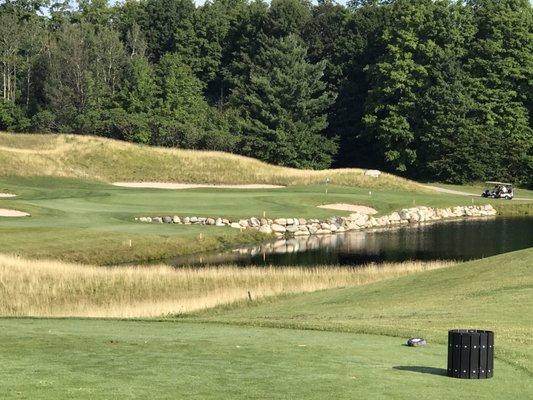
(315, 352)
(110, 161)
(495, 293)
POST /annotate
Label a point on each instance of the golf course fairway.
(342, 343)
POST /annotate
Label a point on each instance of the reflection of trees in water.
(447, 240)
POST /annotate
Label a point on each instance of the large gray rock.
(167, 220)
(312, 229)
(265, 229)
(394, 218)
(291, 228)
(278, 228)
(254, 222)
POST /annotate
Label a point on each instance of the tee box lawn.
(339, 344)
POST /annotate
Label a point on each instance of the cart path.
(460, 193)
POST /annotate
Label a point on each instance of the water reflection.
(461, 240)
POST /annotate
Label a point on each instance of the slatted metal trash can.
(470, 354)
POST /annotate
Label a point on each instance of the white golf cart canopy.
(499, 183)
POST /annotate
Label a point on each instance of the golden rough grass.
(56, 289)
(109, 160)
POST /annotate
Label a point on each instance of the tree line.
(431, 89)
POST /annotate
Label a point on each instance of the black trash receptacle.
(470, 354)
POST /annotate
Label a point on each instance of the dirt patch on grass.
(6, 212)
(7, 195)
(163, 185)
(350, 207)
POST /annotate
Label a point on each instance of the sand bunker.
(5, 212)
(349, 207)
(162, 185)
(7, 195)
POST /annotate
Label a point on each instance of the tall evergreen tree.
(283, 107)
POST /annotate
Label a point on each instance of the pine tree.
(283, 107)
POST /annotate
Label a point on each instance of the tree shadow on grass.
(421, 370)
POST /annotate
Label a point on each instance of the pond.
(451, 240)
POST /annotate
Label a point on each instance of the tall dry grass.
(110, 160)
(54, 289)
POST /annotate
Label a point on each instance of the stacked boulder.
(356, 221)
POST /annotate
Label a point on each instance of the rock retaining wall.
(356, 221)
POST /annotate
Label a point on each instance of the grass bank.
(495, 293)
(100, 159)
(55, 289)
(306, 346)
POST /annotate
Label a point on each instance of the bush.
(12, 117)
(44, 121)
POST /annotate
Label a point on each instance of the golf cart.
(500, 190)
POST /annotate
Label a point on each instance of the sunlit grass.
(109, 160)
(54, 289)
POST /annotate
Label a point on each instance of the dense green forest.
(431, 89)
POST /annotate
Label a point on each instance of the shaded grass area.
(52, 288)
(495, 293)
(92, 222)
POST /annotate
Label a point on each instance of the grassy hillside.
(312, 351)
(111, 161)
(494, 293)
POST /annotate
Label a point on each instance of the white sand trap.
(349, 207)
(163, 185)
(5, 212)
(7, 195)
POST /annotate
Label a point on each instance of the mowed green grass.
(314, 349)
(494, 293)
(93, 222)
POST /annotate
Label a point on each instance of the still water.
(452, 240)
